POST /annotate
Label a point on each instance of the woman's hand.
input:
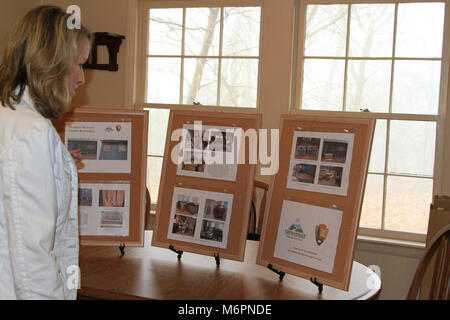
(76, 155)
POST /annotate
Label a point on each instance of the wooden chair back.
(256, 220)
(148, 206)
(439, 246)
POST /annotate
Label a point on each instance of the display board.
(206, 183)
(111, 175)
(316, 197)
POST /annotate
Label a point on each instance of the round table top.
(156, 273)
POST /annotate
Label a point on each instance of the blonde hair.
(40, 53)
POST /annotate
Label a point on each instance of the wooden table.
(156, 273)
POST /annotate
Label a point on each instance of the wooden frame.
(346, 203)
(133, 177)
(112, 42)
(176, 186)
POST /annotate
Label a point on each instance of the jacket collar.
(25, 101)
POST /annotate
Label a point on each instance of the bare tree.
(202, 53)
(194, 87)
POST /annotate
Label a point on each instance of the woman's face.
(76, 76)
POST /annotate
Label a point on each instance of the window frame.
(145, 6)
(142, 59)
(439, 119)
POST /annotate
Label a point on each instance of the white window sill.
(389, 246)
(393, 242)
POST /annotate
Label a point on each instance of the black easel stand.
(318, 284)
(217, 257)
(179, 252)
(280, 273)
(122, 249)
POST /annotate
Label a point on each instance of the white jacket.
(38, 208)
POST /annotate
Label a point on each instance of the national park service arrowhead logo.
(321, 233)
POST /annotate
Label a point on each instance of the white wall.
(104, 88)
(397, 265)
(10, 12)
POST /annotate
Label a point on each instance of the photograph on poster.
(334, 151)
(85, 197)
(191, 164)
(308, 235)
(307, 148)
(88, 147)
(114, 150)
(209, 152)
(111, 198)
(320, 162)
(330, 176)
(104, 209)
(184, 225)
(104, 146)
(212, 230)
(112, 219)
(303, 172)
(200, 217)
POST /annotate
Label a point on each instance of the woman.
(39, 74)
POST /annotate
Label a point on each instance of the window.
(197, 56)
(385, 58)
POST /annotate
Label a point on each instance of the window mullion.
(385, 175)
(388, 124)
(219, 62)
(394, 40)
(183, 38)
(347, 46)
(155, 156)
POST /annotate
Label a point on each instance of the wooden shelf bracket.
(112, 42)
